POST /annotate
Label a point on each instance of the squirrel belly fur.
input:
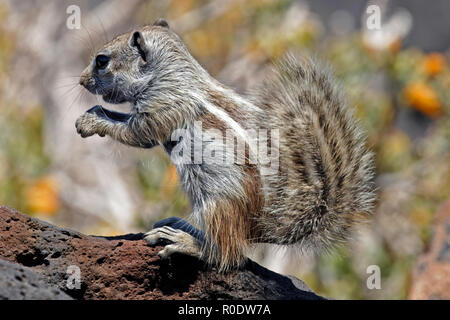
(323, 181)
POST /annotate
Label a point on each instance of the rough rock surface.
(431, 277)
(124, 267)
(18, 283)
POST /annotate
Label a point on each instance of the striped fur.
(325, 181)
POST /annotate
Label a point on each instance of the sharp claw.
(164, 253)
(151, 240)
(161, 254)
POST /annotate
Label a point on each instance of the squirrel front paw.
(88, 124)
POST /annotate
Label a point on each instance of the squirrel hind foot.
(176, 241)
(180, 224)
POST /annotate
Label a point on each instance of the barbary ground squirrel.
(300, 173)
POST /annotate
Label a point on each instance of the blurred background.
(397, 78)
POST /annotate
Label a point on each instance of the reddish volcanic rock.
(125, 267)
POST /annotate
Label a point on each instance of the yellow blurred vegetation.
(42, 196)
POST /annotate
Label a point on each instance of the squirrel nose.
(84, 77)
(83, 81)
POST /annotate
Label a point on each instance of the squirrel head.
(137, 65)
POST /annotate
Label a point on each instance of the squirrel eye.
(101, 61)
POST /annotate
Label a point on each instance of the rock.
(431, 276)
(125, 267)
(18, 283)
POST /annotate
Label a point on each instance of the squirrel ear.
(137, 41)
(161, 22)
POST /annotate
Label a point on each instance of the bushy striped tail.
(326, 177)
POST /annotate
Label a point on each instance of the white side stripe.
(230, 122)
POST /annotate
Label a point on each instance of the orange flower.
(433, 64)
(42, 196)
(422, 97)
